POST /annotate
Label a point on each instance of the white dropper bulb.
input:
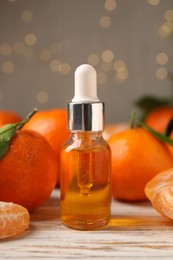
(85, 84)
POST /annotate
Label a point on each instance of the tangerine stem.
(26, 119)
(132, 119)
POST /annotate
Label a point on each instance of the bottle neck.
(86, 134)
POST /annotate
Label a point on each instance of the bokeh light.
(64, 68)
(168, 15)
(162, 58)
(54, 65)
(45, 55)
(122, 74)
(161, 73)
(8, 67)
(6, 49)
(119, 65)
(107, 56)
(105, 21)
(42, 97)
(110, 5)
(26, 16)
(30, 39)
(93, 59)
(153, 2)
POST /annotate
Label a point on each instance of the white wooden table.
(136, 231)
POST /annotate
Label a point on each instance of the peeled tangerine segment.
(160, 192)
(14, 219)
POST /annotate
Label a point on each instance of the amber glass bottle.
(85, 181)
(85, 159)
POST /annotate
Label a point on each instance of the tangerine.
(7, 117)
(52, 124)
(159, 118)
(159, 191)
(112, 128)
(28, 170)
(137, 156)
(14, 219)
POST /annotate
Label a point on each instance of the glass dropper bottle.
(85, 158)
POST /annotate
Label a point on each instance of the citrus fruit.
(112, 128)
(159, 191)
(14, 219)
(52, 124)
(28, 170)
(137, 156)
(159, 118)
(7, 117)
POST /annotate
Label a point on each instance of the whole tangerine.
(159, 118)
(28, 170)
(7, 117)
(137, 156)
(52, 124)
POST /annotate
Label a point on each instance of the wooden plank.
(135, 230)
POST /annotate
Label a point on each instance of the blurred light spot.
(119, 65)
(64, 68)
(107, 56)
(110, 5)
(55, 65)
(28, 53)
(6, 49)
(153, 2)
(122, 74)
(55, 47)
(101, 77)
(26, 16)
(161, 73)
(30, 39)
(169, 15)
(105, 21)
(166, 29)
(93, 59)
(107, 67)
(12, 1)
(18, 47)
(45, 55)
(1, 95)
(8, 67)
(42, 97)
(162, 58)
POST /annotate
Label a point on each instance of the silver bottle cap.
(86, 116)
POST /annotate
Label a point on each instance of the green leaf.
(161, 137)
(7, 132)
(4, 148)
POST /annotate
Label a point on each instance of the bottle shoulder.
(88, 142)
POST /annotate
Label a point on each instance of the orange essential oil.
(85, 159)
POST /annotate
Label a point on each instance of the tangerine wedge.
(14, 219)
(160, 192)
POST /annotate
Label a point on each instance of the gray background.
(74, 27)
